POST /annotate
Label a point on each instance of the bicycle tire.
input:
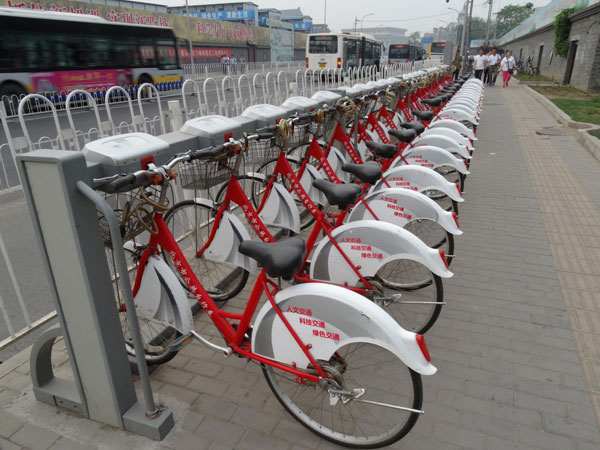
(421, 294)
(221, 280)
(383, 371)
(434, 235)
(155, 338)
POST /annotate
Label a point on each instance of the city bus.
(436, 50)
(401, 53)
(341, 51)
(43, 51)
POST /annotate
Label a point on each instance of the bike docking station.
(63, 205)
(65, 211)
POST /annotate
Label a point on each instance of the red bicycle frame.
(234, 336)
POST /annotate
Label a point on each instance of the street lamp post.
(363, 18)
(457, 16)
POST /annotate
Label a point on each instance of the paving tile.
(34, 437)
(256, 440)
(221, 431)
(7, 445)
(9, 424)
(68, 444)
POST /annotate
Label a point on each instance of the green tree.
(414, 38)
(512, 15)
(478, 28)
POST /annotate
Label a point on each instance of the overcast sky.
(415, 15)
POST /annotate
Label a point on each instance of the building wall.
(585, 29)
(204, 32)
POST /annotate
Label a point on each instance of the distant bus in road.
(401, 53)
(42, 51)
(341, 51)
(436, 50)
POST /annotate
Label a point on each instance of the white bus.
(42, 51)
(341, 51)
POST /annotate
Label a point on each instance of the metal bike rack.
(56, 184)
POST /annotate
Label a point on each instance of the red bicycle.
(338, 363)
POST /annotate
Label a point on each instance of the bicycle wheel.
(190, 223)
(306, 218)
(421, 294)
(156, 338)
(452, 175)
(352, 422)
(445, 202)
(434, 235)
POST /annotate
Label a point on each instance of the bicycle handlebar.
(117, 183)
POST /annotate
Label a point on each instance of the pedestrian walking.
(233, 63)
(493, 64)
(242, 64)
(508, 66)
(225, 62)
(457, 64)
(480, 63)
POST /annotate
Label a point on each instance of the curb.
(583, 136)
(11, 194)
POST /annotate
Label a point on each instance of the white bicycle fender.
(401, 206)
(280, 210)
(328, 317)
(458, 115)
(370, 244)
(450, 134)
(418, 179)
(307, 179)
(336, 159)
(363, 150)
(453, 125)
(224, 246)
(432, 157)
(441, 141)
(161, 297)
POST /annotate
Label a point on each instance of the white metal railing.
(202, 71)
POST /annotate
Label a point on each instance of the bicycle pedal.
(181, 342)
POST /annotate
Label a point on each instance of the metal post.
(189, 30)
(487, 28)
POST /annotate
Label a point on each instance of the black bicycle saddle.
(423, 115)
(403, 135)
(369, 172)
(388, 151)
(340, 195)
(414, 125)
(279, 259)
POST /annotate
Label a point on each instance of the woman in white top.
(507, 65)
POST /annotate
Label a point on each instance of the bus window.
(99, 53)
(437, 48)
(369, 53)
(167, 57)
(400, 51)
(123, 51)
(323, 44)
(147, 53)
(352, 56)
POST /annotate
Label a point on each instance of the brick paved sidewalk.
(517, 346)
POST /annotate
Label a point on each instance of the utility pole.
(488, 27)
(467, 32)
(355, 23)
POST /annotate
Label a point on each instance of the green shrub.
(562, 29)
